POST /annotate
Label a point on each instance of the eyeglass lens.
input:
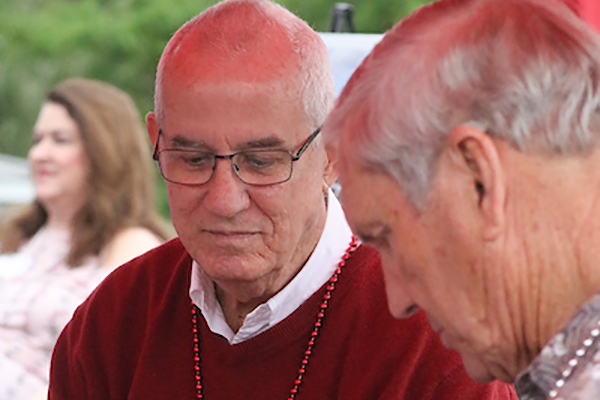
(252, 167)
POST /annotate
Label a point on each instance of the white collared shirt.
(318, 269)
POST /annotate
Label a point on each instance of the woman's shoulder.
(128, 244)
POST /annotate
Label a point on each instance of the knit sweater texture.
(132, 339)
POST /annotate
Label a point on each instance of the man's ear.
(152, 127)
(330, 172)
(476, 154)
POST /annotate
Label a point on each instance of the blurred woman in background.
(94, 210)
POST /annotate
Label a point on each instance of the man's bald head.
(248, 41)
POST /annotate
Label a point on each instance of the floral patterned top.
(38, 295)
(568, 368)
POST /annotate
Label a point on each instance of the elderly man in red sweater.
(264, 294)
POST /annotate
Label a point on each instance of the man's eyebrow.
(268, 142)
(179, 141)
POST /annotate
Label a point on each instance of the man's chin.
(231, 240)
(480, 372)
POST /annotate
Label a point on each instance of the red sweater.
(132, 339)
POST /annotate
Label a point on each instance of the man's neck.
(238, 299)
(234, 311)
(568, 275)
(551, 246)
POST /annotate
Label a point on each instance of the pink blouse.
(38, 295)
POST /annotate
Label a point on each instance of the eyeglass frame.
(294, 158)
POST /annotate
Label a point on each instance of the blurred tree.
(118, 41)
(44, 42)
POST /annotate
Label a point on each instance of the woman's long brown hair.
(120, 190)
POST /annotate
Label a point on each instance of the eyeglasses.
(253, 167)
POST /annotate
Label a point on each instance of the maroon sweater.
(132, 339)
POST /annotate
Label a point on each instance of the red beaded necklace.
(313, 336)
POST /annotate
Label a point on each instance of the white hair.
(525, 71)
(313, 76)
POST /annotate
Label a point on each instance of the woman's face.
(59, 164)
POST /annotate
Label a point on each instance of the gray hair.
(313, 78)
(525, 71)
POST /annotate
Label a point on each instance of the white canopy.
(346, 52)
(15, 181)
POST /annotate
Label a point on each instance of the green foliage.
(114, 41)
(119, 41)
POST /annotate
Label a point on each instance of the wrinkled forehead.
(234, 62)
(202, 100)
(226, 114)
(206, 67)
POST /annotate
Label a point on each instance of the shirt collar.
(318, 269)
(540, 378)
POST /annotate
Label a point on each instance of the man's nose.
(400, 303)
(226, 195)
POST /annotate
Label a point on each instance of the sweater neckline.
(295, 327)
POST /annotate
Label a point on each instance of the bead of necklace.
(311, 342)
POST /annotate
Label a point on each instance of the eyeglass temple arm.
(155, 152)
(306, 144)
